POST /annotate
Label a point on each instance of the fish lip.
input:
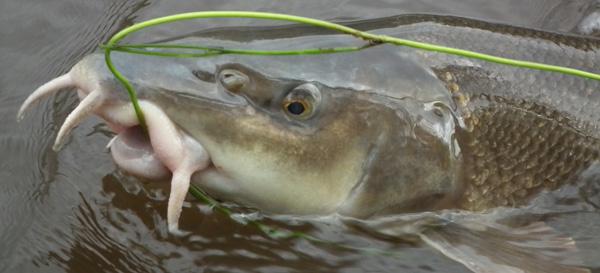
(169, 150)
(133, 153)
(124, 142)
(156, 170)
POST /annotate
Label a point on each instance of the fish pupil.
(296, 108)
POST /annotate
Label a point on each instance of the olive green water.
(73, 211)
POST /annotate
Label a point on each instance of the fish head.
(357, 134)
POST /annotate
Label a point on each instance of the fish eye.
(297, 107)
(301, 102)
(233, 80)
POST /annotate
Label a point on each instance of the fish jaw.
(159, 151)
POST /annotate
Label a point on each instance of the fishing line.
(372, 39)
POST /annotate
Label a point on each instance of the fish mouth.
(132, 151)
(156, 151)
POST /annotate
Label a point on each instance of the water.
(72, 211)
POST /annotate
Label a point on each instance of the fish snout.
(154, 151)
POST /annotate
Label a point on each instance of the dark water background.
(72, 211)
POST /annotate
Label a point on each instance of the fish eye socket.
(302, 101)
(233, 80)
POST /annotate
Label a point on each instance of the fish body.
(382, 131)
(399, 130)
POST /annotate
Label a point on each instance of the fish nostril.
(204, 76)
(233, 80)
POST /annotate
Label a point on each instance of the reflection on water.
(72, 211)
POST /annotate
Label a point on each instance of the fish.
(384, 131)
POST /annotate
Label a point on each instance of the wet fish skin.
(523, 131)
(418, 130)
(395, 130)
(513, 148)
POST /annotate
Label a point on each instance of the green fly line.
(372, 39)
(195, 51)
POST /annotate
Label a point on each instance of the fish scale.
(513, 148)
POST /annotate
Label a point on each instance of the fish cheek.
(283, 170)
(318, 164)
